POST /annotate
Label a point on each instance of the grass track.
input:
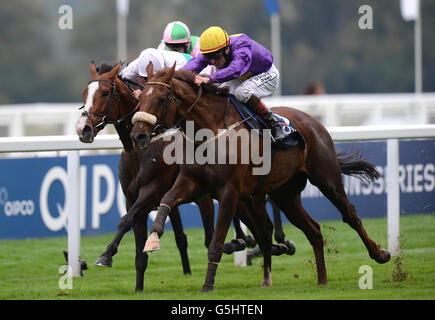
(29, 268)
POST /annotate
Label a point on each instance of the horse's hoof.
(384, 257)
(291, 248)
(256, 252)
(103, 261)
(248, 260)
(266, 283)
(238, 244)
(250, 241)
(228, 248)
(206, 288)
(151, 246)
(153, 243)
(278, 249)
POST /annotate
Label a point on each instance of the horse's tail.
(353, 165)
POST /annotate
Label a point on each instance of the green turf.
(29, 268)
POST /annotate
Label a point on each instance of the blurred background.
(320, 42)
(345, 62)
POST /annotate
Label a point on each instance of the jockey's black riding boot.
(259, 108)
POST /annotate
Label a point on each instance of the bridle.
(114, 95)
(159, 126)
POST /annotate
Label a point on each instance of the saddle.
(253, 121)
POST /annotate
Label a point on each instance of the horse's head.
(99, 97)
(156, 108)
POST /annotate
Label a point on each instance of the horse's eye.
(105, 93)
(162, 100)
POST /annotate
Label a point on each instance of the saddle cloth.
(253, 121)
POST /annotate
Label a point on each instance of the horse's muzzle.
(141, 141)
(87, 135)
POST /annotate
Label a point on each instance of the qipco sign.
(101, 198)
(33, 191)
(33, 196)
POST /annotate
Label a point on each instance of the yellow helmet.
(213, 39)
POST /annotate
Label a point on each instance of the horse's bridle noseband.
(159, 127)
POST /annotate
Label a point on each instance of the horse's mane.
(189, 76)
(104, 67)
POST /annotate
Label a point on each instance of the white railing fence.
(71, 144)
(41, 119)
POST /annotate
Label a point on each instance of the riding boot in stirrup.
(278, 132)
(259, 108)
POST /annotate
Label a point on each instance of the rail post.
(72, 203)
(393, 196)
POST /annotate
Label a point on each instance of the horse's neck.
(212, 113)
(124, 135)
(128, 103)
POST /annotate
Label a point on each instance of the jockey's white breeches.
(261, 85)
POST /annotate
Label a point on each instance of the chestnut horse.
(172, 97)
(143, 175)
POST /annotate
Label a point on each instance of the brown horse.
(172, 97)
(143, 175)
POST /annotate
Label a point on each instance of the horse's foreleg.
(143, 205)
(124, 225)
(206, 209)
(141, 260)
(279, 232)
(182, 191)
(264, 228)
(227, 207)
(180, 239)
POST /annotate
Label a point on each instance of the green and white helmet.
(176, 32)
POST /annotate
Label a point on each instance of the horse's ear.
(114, 72)
(150, 69)
(93, 70)
(170, 73)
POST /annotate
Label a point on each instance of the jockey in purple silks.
(243, 65)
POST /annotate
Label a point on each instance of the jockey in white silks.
(159, 58)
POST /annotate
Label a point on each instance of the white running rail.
(71, 144)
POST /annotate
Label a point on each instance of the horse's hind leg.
(141, 260)
(332, 188)
(180, 238)
(291, 205)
